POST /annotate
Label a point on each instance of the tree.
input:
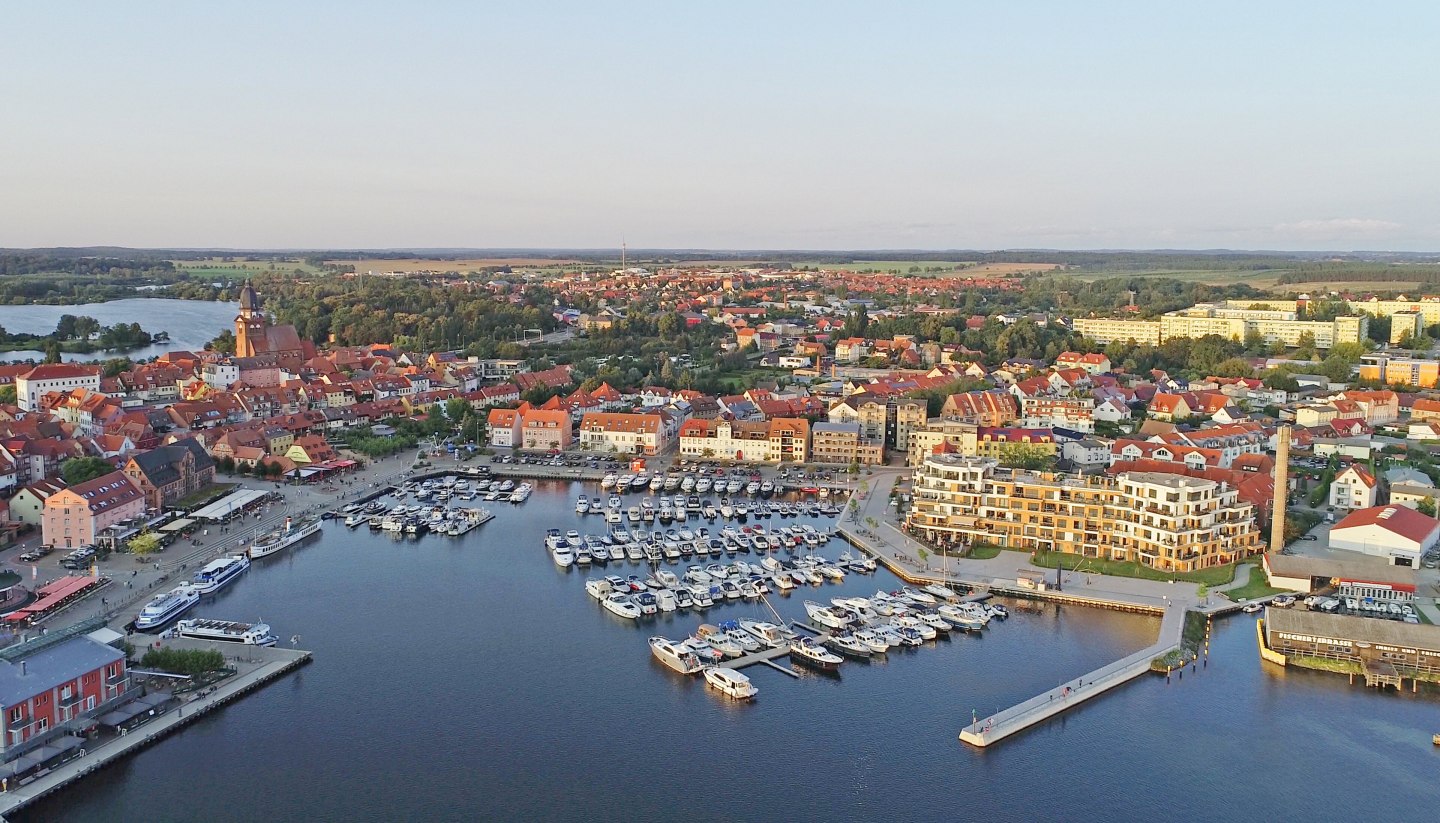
(456, 408)
(224, 343)
(52, 351)
(1234, 367)
(1027, 456)
(7, 395)
(857, 322)
(77, 470)
(1426, 506)
(227, 464)
(145, 543)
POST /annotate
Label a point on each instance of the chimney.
(22, 668)
(1282, 482)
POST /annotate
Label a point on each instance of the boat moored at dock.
(220, 573)
(226, 631)
(283, 538)
(166, 607)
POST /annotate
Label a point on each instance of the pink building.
(76, 516)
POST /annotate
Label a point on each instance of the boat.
(667, 578)
(220, 573)
(225, 631)
(826, 616)
(620, 604)
(598, 588)
(1252, 608)
(285, 537)
(582, 504)
(163, 608)
(943, 592)
(666, 600)
(872, 640)
(700, 597)
(782, 581)
(608, 481)
(563, 555)
(752, 488)
(675, 655)
(639, 482)
(917, 596)
(730, 683)
(646, 602)
(719, 641)
(806, 651)
(934, 621)
(767, 488)
(768, 633)
(961, 618)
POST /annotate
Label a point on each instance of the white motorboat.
(620, 604)
(942, 592)
(683, 599)
(702, 485)
(608, 481)
(646, 602)
(872, 640)
(961, 618)
(666, 600)
(826, 616)
(220, 573)
(657, 483)
(718, 641)
(700, 596)
(782, 581)
(667, 578)
(917, 596)
(225, 631)
(752, 488)
(164, 608)
(934, 621)
(806, 651)
(563, 555)
(285, 537)
(675, 655)
(598, 588)
(848, 646)
(730, 683)
(915, 624)
(768, 633)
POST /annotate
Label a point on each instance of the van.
(1330, 517)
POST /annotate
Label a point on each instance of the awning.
(178, 526)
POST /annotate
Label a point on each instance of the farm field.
(420, 264)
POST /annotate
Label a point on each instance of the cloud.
(1338, 226)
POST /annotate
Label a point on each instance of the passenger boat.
(220, 572)
(806, 651)
(284, 538)
(730, 683)
(164, 608)
(674, 655)
(225, 631)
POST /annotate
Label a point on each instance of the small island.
(81, 335)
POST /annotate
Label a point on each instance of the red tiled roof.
(1402, 520)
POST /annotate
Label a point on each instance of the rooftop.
(1346, 627)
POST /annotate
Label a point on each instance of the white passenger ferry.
(283, 538)
(163, 608)
(220, 573)
(226, 631)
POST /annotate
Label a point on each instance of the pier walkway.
(1041, 707)
(257, 666)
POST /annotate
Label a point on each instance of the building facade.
(51, 686)
(1165, 521)
(76, 516)
(33, 385)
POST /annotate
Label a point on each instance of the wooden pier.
(988, 730)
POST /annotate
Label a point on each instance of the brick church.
(255, 337)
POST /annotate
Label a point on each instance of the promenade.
(255, 666)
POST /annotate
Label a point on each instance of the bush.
(193, 662)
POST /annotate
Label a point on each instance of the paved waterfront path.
(256, 667)
(985, 731)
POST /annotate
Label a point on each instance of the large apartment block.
(1233, 320)
(1166, 521)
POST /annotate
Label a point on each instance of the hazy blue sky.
(721, 125)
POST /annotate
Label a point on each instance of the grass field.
(235, 268)
(951, 268)
(418, 264)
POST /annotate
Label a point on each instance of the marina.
(891, 703)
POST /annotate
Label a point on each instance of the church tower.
(250, 324)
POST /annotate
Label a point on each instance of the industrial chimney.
(1282, 483)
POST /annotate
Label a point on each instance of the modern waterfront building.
(844, 443)
(1166, 521)
(46, 685)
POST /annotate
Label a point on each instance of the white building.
(1353, 488)
(48, 377)
(1397, 533)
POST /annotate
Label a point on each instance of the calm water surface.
(191, 323)
(471, 679)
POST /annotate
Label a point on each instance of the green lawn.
(1216, 576)
(1257, 586)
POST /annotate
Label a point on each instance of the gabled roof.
(1400, 520)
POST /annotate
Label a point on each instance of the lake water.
(191, 323)
(471, 679)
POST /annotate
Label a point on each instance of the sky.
(736, 125)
